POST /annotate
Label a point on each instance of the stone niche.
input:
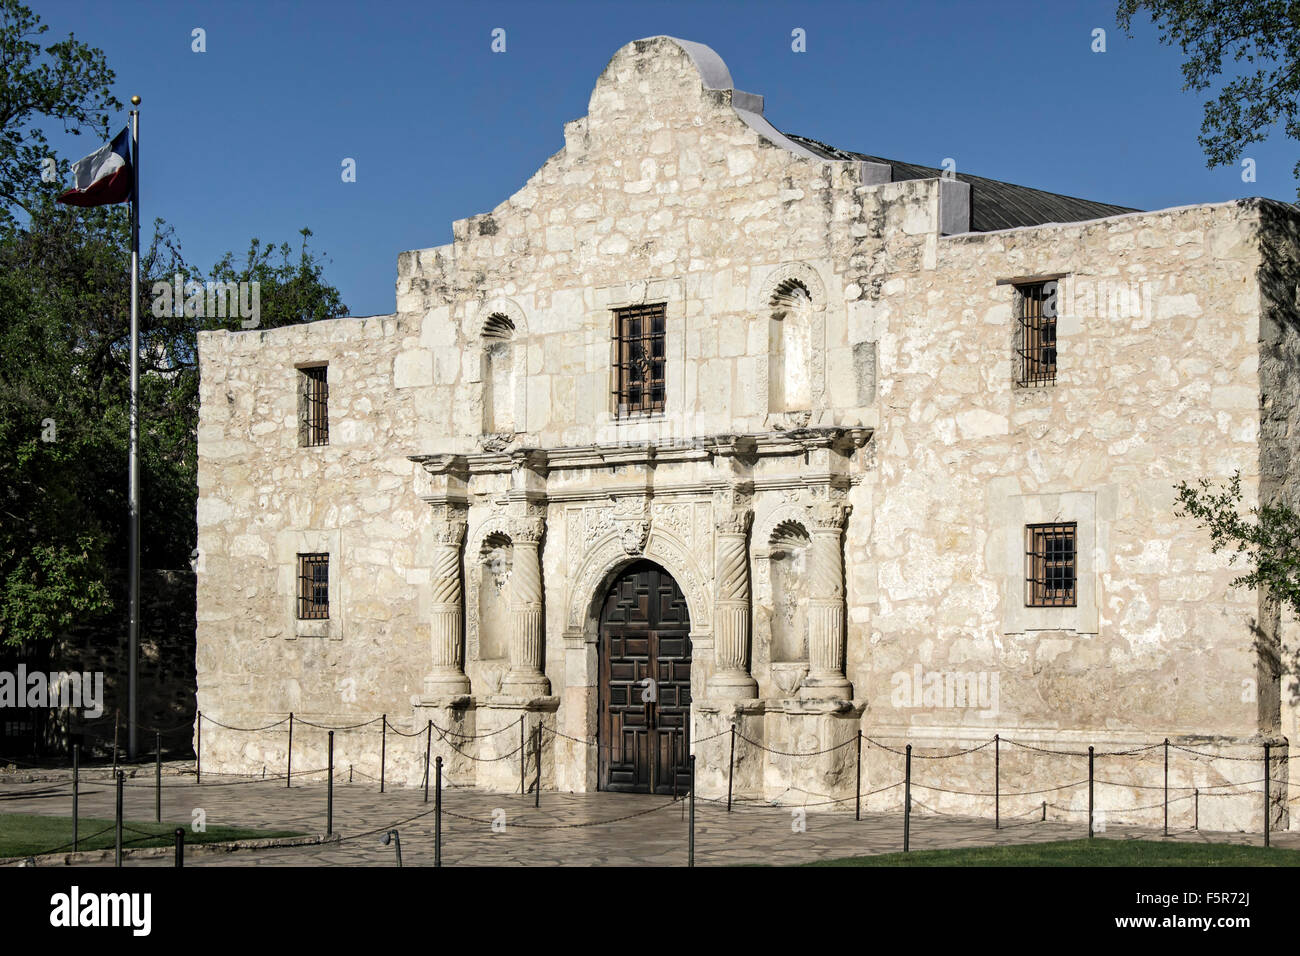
(493, 562)
(780, 554)
(787, 564)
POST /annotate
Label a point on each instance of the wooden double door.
(645, 684)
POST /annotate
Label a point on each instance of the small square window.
(639, 360)
(1036, 333)
(313, 587)
(313, 406)
(1050, 565)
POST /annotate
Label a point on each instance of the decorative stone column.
(447, 679)
(732, 517)
(525, 677)
(826, 679)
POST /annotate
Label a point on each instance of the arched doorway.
(645, 683)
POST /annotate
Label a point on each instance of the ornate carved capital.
(527, 530)
(733, 510)
(829, 515)
(449, 513)
(449, 533)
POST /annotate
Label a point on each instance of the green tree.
(1265, 537)
(65, 355)
(1263, 35)
(66, 83)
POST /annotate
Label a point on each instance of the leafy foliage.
(1262, 34)
(1266, 537)
(65, 358)
(66, 83)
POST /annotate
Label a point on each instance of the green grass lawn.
(1097, 852)
(28, 834)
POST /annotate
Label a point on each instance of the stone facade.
(839, 479)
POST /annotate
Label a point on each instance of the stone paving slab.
(568, 829)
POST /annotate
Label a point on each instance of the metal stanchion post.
(428, 749)
(857, 793)
(997, 782)
(907, 801)
(157, 789)
(537, 794)
(383, 749)
(329, 791)
(731, 763)
(690, 853)
(198, 748)
(76, 790)
(1090, 779)
(1267, 814)
(117, 837)
(1166, 786)
(288, 770)
(437, 814)
(180, 846)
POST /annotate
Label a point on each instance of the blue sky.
(247, 138)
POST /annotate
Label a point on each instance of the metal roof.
(994, 204)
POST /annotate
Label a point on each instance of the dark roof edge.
(995, 204)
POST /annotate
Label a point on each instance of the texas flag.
(104, 177)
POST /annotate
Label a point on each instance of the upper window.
(313, 406)
(1036, 335)
(639, 360)
(1050, 564)
(313, 587)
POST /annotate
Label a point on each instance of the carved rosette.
(732, 517)
(525, 677)
(447, 605)
(826, 604)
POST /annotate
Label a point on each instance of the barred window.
(1036, 340)
(313, 587)
(1050, 565)
(639, 360)
(313, 406)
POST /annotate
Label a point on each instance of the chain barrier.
(364, 723)
(246, 730)
(1005, 793)
(1200, 753)
(809, 753)
(456, 740)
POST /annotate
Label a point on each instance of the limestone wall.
(1279, 278)
(670, 191)
(1149, 394)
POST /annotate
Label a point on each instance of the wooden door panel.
(644, 633)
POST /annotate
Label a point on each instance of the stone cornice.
(774, 444)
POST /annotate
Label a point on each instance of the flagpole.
(133, 482)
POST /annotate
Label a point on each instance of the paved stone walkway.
(568, 829)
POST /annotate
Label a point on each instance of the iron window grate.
(1051, 564)
(314, 425)
(1037, 334)
(639, 359)
(313, 587)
